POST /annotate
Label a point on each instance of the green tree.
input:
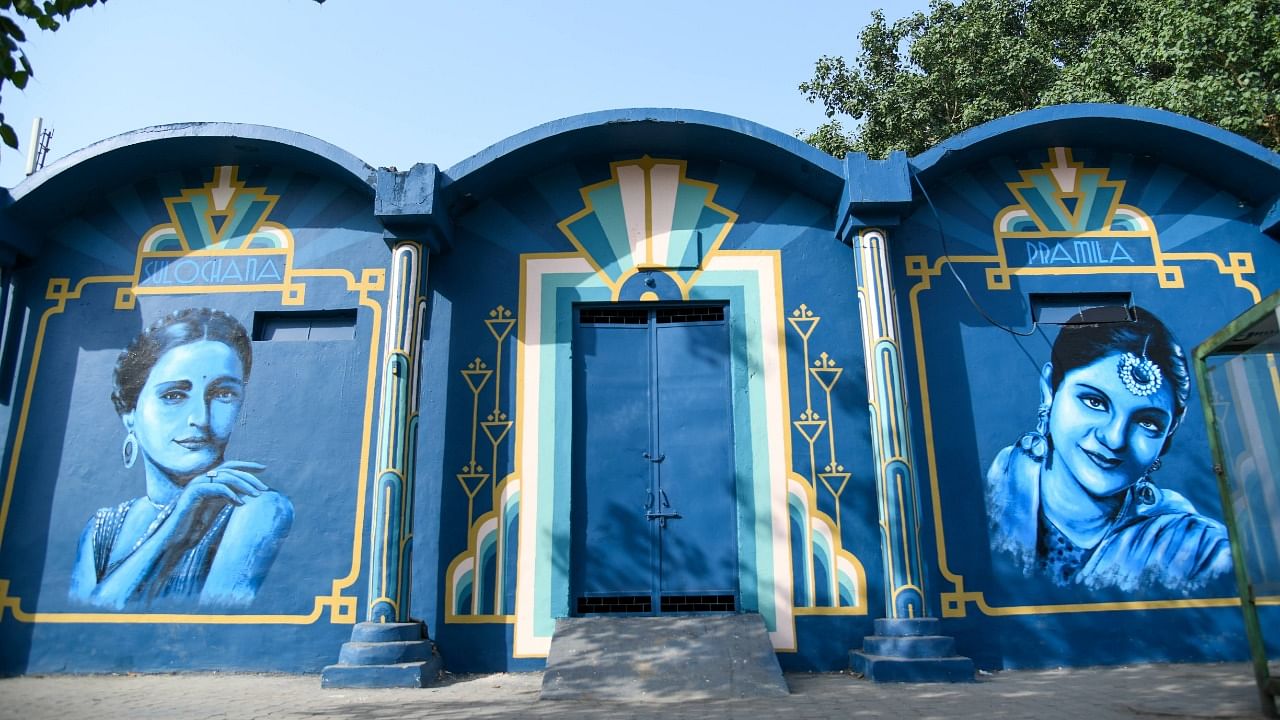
(14, 66)
(926, 77)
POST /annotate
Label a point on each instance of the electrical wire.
(946, 252)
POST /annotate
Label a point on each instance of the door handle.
(661, 517)
(654, 459)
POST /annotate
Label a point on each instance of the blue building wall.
(290, 252)
(1146, 231)
(477, 296)
(292, 239)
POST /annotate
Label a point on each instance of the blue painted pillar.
(896, 490)
(391, 528)
(387, 649)
(908, 644)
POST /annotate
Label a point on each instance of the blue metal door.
(654, 525)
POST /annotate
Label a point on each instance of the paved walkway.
(1143, 691)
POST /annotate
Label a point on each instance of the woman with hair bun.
(1076, 499)
(207, 529)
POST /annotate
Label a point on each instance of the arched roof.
(652, 131)
(1234, 163)
(58, 189)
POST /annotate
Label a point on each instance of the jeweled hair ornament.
(1139, 375)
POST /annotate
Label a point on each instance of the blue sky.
(397, 81)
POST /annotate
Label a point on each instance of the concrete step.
(385, 653)
(396, 675)
(916, 646)
(880, 668)
(369, 632)
(662, 659)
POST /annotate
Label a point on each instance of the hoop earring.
(129, 451)
(1035, 443)
(1145, 490)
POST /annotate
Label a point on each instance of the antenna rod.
(33, 145)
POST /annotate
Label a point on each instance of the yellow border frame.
(954, 602)
(342, 608)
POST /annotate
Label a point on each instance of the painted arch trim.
(1233, 162)
(163, 147)
(672, 131)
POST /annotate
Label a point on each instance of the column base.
(910, 650)
(385, 655)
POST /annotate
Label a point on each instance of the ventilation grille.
(613, 316)
(698, 603)
(691, 314)
(615, 604)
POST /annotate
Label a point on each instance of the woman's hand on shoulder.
(269, 511)
(233, 481)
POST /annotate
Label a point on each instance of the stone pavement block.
(1221, 692)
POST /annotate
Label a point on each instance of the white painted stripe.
(529, 370)
(664, 183)
(631, 185)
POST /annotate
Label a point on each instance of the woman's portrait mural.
(1077, 499)
(206, 528)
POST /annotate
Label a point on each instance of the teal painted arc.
(896, 491)
(391, 526)
(395, 412)
(889, 399)
(801, 559)
(405, 562)
(384, 560)
(906, 569)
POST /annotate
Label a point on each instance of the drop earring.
(1035, 443)
(129, 451)
(1145, 490)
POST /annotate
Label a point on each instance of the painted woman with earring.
(207, 529)
(1077, 498)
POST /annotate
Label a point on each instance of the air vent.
(613, 316)
(691, 314)
(598, 604)
(698, 603)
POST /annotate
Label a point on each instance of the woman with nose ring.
(1076, 498)
(208, 528)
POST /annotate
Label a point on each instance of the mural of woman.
(207, 529)
(1075, 498)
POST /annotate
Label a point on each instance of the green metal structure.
(1240, 392)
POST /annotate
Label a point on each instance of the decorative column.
(391, 529)
(908, 644)
(896, 496)
(389, 649)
